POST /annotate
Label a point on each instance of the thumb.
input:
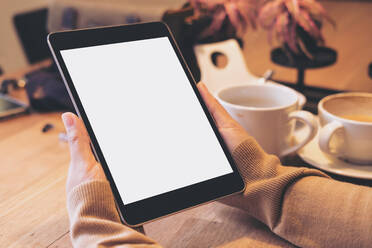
(78, 139)
(223, 119)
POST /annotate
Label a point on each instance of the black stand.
(300, 78)
(322, 56)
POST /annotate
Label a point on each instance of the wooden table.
(32, 192)
(32, 197)
(33, 212)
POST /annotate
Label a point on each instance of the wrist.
(92, 198)
(251, 159)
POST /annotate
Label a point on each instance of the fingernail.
(68, 120)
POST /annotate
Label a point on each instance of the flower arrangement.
(234, 17)
(292, 22)
(295, 23)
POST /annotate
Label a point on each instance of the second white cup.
(268, 113)
(346, 126)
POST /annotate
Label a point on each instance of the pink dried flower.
(281, 17)
(241, 14)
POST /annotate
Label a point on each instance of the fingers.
(215, 108)
(78, 139)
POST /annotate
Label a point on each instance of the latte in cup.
(346, 121)
(268, 112)
(363, 118)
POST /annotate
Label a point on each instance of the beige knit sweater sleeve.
(301, 205)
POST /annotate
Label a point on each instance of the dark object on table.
(322, 56)
(1, 71)
(370, 70)
(46, 91)
(47, 127)
(31, 28)
(6, 84)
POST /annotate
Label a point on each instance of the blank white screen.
(150, 126)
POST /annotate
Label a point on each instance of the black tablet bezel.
(142, 211)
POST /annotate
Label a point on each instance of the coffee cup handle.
(326, 134)
(309, 120)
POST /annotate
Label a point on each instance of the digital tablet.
(149, 127)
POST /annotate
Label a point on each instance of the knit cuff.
(93, 198)
(255, 164)
(248, 151)
(249, 156)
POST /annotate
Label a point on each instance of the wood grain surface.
(32, 191)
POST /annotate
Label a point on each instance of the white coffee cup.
(268, 112)
(341, 136)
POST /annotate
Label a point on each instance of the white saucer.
(312, 154)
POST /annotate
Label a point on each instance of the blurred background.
(351, 37)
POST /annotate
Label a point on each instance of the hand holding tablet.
(84, 167)
(149, 127)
